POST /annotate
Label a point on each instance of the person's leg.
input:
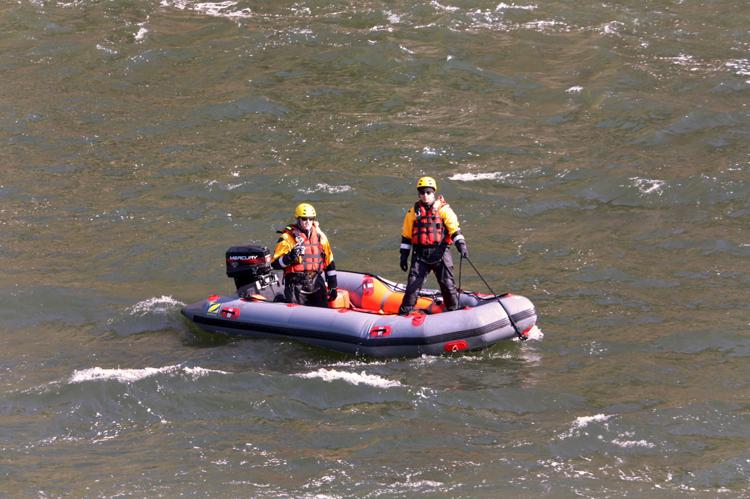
(444, 275)
(288, 292)
(417, 274)
(292, 292)
(314, 293)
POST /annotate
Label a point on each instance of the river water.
(596, 153)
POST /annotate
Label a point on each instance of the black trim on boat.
(524, 314)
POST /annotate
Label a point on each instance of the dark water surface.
(597, 155)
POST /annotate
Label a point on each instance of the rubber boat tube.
(365, 323)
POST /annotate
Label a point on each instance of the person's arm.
(331, 279)
(451, 224)
(406, 238)
(285, 253)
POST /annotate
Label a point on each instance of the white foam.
(682, 60)
(612, 28)
(375, 29)
(473, 177)
(648, 185)
(361, 378)
(214, 9)
(740, 66)
(358, 363)
(431, 151)
(161, 304)
(633, 443)
(535, 334)
(566, 469)
(141, 33)
(132, 375)
(582, 422)
(544, 25)
(446, 8)
(505, 6)
(107, 50)
(421, 484)
(330, 189)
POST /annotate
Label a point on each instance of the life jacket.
(313, 258)
(428, 228)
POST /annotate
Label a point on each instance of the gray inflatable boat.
(363, 320)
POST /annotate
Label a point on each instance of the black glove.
(404, 260)
(462, 249)
(293, 254)
(332, 283)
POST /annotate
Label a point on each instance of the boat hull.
(481, 322)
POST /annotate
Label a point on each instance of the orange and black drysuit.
(304, 258)
(429, 230)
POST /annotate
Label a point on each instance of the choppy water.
(595, 152)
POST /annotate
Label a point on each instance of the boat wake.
(150, 315)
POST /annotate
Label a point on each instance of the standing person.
(429, 228)
(304, 253)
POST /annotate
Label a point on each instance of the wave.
(473, 177)
(133, 375)
(161, 304)
(584, 421)
(152, 314)
(360, 378)
(627, 444)
(213, 9)
(327, 188)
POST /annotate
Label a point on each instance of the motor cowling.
(248, 264)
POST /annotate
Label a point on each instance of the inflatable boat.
(362, 320)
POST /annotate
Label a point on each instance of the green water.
(596, 155)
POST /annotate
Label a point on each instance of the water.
(596, 155)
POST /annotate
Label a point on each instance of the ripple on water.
(733, 343)
(28, 307)
(238, 109)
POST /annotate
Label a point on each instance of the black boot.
(405, 310)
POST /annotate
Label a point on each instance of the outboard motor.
(250, 266)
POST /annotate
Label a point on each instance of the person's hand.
(404, 260)
(294, 254)
(332, 294)
(462, 249)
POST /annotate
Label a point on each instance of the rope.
(512, 322)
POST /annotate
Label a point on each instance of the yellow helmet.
(304, 210)
(427, 182)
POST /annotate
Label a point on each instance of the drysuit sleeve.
(451, 223)
(326, 248)
(406, 230)
(331, 278)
